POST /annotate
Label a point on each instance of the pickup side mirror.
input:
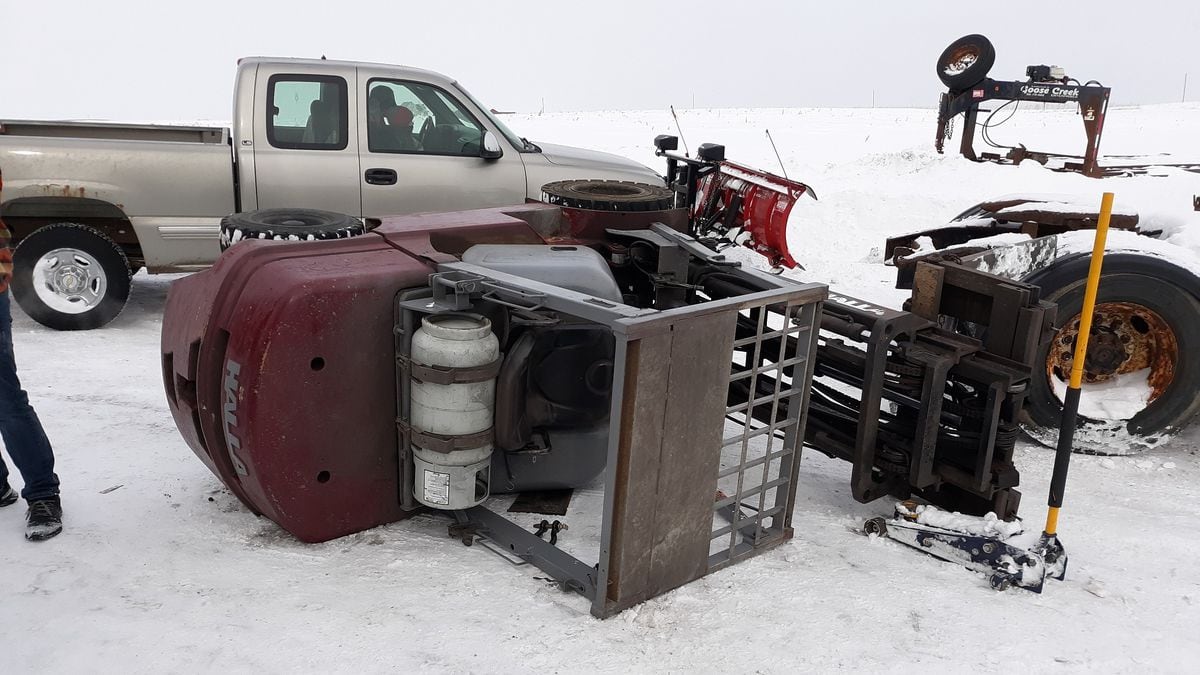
(490, 148)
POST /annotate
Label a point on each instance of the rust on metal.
(58, 190)
(1126, 337)
(961, 59)
(1025, 209)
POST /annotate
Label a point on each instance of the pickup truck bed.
(171, 184)
(111, 131)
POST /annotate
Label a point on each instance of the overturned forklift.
(604, 337)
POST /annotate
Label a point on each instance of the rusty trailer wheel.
(966, 62)
(1126, 338)
(1142, 370)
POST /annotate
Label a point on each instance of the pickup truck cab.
(89, 204)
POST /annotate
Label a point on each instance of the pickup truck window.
(519, 142)
(308, 112)
(413, 117)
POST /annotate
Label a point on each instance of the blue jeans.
(19, 425)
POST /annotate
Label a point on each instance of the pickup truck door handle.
(380, 176)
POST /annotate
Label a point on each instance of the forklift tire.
(608, 195)
(288, 225)
(966, 62)
(1158, 300)
(68, 276)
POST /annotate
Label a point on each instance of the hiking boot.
(44, 519)
(7, 495)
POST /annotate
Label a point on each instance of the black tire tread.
(974, 73)
(1178, 404)
(605, 195)
(272, 224)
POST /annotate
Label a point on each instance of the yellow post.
(1093, 285)
(1066, 432)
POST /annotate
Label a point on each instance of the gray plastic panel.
(575, 267)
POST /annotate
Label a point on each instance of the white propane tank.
(442, 414)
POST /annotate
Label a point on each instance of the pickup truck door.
(305, 145)
(420, 146)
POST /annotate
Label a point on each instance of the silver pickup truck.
(89, 204)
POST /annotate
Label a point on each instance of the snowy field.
(169, 573)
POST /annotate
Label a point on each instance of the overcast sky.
(120, 59)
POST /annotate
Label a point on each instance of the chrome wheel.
(69, 280)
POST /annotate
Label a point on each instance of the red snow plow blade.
(750, 207)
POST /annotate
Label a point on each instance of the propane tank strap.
(454, 374)
(446, 443)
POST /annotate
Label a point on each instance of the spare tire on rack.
(608, 195)
(966, 62)
(288, 225)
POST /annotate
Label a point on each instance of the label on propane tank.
(437, 487)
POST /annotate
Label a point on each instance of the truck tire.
(966, 62)
(1147, 317)
(68, 276)
(288, 225)
(608, 195)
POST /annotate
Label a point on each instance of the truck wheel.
(288, 225)
(1143, 362)
(70, 277)
(966, 62)
(608, 195)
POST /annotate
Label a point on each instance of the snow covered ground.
(168, 572)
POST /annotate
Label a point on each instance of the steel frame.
(1093, 106)
(666, 427)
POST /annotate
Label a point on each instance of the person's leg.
(19, 425)
(7, 496)
(3, 473)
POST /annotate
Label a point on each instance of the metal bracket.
(513, 540)
(692, 246)
(445, 443)
(453, 375)
(454, 289)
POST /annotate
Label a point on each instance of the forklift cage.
(694, 482)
